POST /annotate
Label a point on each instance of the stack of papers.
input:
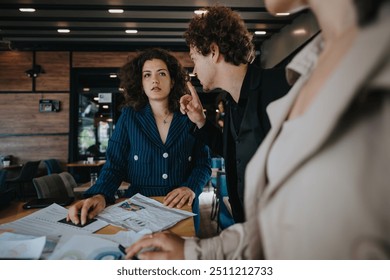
(46, 234)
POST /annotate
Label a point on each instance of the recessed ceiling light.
(115, 11)
(282, 14)
(113, 76)
(200, 12)
(260, 32)
(63, 30)
(131, 31)
(300, 31)
(27, 10)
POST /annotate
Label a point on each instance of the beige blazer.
(331, 199)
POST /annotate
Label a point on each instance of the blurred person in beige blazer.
(318, 187)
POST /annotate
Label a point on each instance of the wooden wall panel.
(35, 148)
(100, 59)
(57, 69)
(13, 65)
(117, 59)
(19, 114)
(184, 58)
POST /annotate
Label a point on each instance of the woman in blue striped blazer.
(152, 146)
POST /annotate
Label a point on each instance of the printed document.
(47, 222)
(140, 213)
(94, 246)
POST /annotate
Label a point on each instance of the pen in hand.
(123, 250)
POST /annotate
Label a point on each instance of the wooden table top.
(83, 187)
(84, 163)
(12, 166)
(15, 211)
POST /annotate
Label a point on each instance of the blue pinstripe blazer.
(137, 155)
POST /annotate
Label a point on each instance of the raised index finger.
(194, 94)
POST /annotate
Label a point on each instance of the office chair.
(52, 186)
(6, 195)
(27, 173)
(69, 182)
(224, 216)
(217, 163)
(53, 166)
(3, 177)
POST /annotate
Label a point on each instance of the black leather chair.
(53, 166)
(27, 173)
(55, 185)
(6, 194)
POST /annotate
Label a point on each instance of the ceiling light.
(282, 14)
(260, 32)
(300, 31)
(200, 12)
(131, 31)
(115, 11)
(113, 76)
(27, 10)
(63, 30)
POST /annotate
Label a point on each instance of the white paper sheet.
(17, 246)
(87, 247)
(140, 212)
(45, 223)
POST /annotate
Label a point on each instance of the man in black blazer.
(222, 51)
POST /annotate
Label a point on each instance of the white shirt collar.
(305, 61)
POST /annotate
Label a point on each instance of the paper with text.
(140, 212)
(45, 223)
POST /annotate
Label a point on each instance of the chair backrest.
(51, 186)
(6, 194)
(221, 184)
(225, 218)
(29, 171)
(3, 177)
(217, 162)
(53, 166)
(69, 182)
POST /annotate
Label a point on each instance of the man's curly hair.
(224, 27)
(130, 76)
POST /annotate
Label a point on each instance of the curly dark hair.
(130, 76)
(224, 27)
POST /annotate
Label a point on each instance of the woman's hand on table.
(179, 197)
(86, 209)
(158, 246)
